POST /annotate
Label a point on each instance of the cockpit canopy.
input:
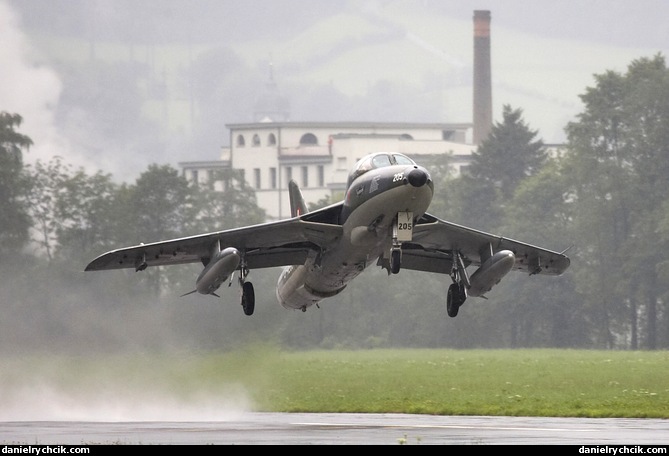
(377, 160)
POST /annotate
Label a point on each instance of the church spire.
(270, 105)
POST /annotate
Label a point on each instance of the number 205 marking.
(398, 177)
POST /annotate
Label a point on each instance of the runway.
(344, 429)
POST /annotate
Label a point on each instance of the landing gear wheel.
(454, 299)
(248, 298)
(395, 260)
(451, 306)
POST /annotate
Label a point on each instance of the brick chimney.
(482, 78)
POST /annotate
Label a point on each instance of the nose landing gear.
(402, 231)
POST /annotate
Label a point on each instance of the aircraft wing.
(279, 243)
(434, 240)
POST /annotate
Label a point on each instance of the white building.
(319, 155)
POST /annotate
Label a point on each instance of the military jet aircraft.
(382, 220)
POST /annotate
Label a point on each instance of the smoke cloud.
(32, 90)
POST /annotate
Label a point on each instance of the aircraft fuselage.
(372, 203)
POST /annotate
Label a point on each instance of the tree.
(226, 201)
(509, 155)
(648, 85)
(85, 208)
(71, 211)
(160, 205)
(14, 218)
(46, 186)
(506, 185)
(546, 311)
(618, 164)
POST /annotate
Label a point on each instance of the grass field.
(567, 383)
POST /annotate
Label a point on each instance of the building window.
(240, 141)
(271, 139)
(256, 177)
(308, 139)
(210, 175)
(289, 173)
(256, 140)
(321, 176)
(194, 176)
(305, 176)
(272, 177)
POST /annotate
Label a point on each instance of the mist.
(112, 399)
(114, 85)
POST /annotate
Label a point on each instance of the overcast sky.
(544, 52)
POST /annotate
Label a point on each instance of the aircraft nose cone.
(417, 177)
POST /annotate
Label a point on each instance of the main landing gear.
(457, 292)
(248, 294)
(454, 299)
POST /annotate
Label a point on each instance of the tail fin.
(297, 205)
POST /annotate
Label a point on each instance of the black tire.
(395, 260)
(248, 298)
(453, 300)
